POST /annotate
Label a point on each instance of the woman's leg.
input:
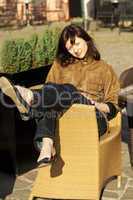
(55, 99)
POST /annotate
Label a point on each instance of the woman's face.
(78, 49)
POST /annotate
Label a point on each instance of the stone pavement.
(118, 50)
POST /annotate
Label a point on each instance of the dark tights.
(49, 104)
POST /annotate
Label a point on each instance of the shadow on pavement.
(26, 162)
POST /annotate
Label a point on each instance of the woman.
(78, 75)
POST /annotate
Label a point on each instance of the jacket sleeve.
(54, 73)
(111, 87)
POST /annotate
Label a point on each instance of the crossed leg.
(22, 97)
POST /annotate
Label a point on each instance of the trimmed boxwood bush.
(16, 56)
(22, 54)
(46, 47)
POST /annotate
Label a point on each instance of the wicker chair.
(84, 164)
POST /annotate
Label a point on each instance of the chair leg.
(130, 145)
(118, 181)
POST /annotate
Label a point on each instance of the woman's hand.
(103, 107)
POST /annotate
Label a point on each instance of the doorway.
(75, 8)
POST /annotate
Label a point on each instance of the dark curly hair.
(70, 32)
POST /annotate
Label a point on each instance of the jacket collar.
(85, 61)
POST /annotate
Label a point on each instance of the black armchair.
(16, 135)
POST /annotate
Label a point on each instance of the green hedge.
(16, 56)
(22, 54)
(46, 47)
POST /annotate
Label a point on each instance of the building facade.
(35, 10)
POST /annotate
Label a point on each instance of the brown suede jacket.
(92, 77)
